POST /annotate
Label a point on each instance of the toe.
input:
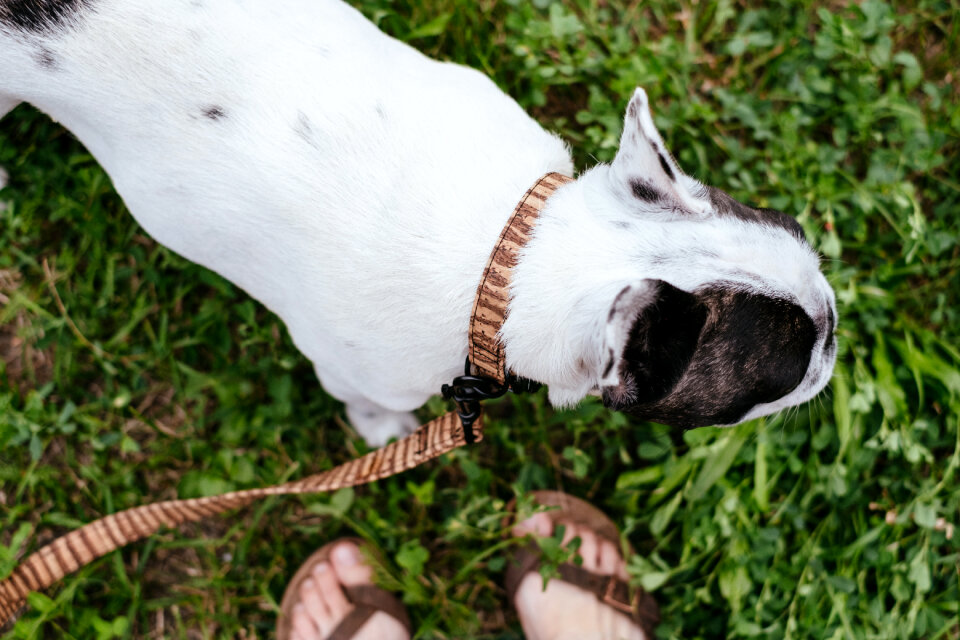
(303, 626)
(329, 588)
(588, 549)
(315, 605)
(570, 531)
(539, 524)
(608, 559)
(349, 565)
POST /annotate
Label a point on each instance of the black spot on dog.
(727, 206)
(40, 16)
(666, 167)
(779, 219)
(304, 130)
(642, 190)
(709, 254)
(581, 366)
(609, 366)
(615, 307)
(632, 109)
(214, 112)
(46, 59)
(710, 357)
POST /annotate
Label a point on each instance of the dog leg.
(377, 425)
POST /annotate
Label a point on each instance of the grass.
(127, 373)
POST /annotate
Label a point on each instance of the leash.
(485, 377)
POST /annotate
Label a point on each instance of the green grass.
(157, 379)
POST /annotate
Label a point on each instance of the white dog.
(356, 188)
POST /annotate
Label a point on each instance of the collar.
(493, 295)
(486, 375)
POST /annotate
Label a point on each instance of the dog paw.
(377, 425)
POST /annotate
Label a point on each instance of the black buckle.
(468, 390)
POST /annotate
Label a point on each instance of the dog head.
(695, 309)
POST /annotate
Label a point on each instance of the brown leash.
(82, 546)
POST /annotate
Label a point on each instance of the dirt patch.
(563, 101)
(25, 366)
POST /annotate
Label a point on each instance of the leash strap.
(82, 546)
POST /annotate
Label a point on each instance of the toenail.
(347, 555)
(321, 568)
(299, 608)
(309, 584)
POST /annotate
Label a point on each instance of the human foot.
(589, 601)
(332, 596)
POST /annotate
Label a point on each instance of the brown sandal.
(640, 607)
(366, 599)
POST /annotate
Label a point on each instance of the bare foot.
(566, 612)
(323, 604)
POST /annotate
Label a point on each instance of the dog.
(356, 187)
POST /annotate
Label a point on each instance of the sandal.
(635, 603)
(366, 599)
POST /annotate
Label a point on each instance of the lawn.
(128, 374)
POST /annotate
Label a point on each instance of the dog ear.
(644, 168)
(652, 332)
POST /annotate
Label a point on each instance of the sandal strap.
(368, 600)
(525, 560)
(349, 626)
(641, 608)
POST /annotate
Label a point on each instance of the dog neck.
(487, 352)
(561, 294)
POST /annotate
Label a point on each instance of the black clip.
(468, 390)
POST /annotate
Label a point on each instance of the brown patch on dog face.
(753, 349)
(725, 205)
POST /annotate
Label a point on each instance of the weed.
(127, 373)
